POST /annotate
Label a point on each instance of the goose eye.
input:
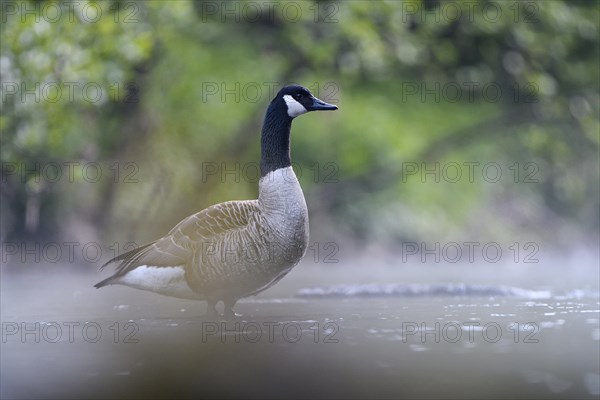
(299, 96)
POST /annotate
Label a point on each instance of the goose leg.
(211, 309)
(228, 308)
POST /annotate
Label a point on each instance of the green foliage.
(156, 64)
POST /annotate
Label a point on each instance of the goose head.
(297, 100)
(290, 102)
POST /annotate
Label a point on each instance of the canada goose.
(237, 248)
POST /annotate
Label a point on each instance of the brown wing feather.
(178, 246)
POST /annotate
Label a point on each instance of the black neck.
(275, 139)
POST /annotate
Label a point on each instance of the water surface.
(347, 331)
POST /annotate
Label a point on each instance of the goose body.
(234, 249)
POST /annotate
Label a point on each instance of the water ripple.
(422, 290)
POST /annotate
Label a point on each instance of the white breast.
(284, 209)
(281, 198)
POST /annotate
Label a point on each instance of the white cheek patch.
(294, 108)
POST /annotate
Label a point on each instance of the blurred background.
(156, 96)
(459, 122)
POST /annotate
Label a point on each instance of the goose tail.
(127, 256)
(124, 259)
(103, 283)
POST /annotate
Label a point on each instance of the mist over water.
(365, 328)
(453, 197)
